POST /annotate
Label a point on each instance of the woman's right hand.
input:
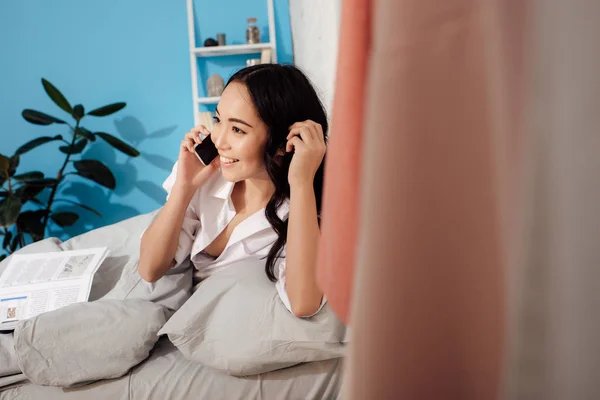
(191, 173)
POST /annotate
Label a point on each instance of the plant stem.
(10, 190)
(5, 235)
(59, 177)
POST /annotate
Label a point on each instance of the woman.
(260, 198)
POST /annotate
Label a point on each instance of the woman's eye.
(216, 119)
(237, 130)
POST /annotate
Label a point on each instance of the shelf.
(207, 100)
(230, 50)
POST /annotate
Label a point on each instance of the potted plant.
(24, 215)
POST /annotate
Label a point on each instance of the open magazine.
(33, 284)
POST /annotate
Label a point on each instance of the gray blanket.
(168, 375)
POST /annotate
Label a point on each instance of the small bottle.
(252, 32)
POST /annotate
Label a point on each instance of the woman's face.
(240, 135)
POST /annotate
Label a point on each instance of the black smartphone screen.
(206, 151)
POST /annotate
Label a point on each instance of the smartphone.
(206, 151)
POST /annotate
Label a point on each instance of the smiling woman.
(260, 199)
(240, 135)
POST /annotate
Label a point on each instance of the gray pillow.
(235, 322)
(86, 342)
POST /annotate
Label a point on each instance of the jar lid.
(251, 19)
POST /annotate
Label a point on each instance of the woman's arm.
(307, 141)
(160, 240)
(301, 251)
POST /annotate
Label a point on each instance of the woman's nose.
(219, 139)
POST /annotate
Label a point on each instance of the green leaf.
(9, 210)
(107, 110)
(29, 176)
(78, 112)
(4, 162)
(56, 96)
(7, 239)
(95, 171)
(3, 193)
(74, 149)
(27, 192)
(64, 218)
(44, 182)
(31, 222)
(32, 188)
(32, 144)
(39, 118)
(85, 133)
(14, 163)
(118, 144)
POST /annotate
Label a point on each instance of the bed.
(166, 373)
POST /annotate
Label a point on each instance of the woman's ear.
(278, 156)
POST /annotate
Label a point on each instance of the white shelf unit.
(229, 50)
(208, 100)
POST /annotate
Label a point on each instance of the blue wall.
(100, 52)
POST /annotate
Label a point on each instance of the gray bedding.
(166, 374)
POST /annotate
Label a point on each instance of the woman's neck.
(252, 194)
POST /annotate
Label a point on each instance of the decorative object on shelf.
(265, 56)
(254, 46)
(215, 85)
(27, 199)
(210, 42)
(252, 61)
(252, 32)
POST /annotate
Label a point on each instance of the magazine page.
(36, 283)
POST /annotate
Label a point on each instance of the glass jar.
(252, 32)
(252, 61)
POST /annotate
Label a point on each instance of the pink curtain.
(341, 197)
(435, 142)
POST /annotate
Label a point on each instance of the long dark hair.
(282, 95)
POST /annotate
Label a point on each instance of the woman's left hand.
(307, 141)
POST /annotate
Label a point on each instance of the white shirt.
(208, 214)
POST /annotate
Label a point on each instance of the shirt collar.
(220, 187)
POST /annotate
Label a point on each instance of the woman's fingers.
(308, 130)
(196, 132)
(302, 132)
(193, 136)
(189, 142)
(185, 144)
(293, 143)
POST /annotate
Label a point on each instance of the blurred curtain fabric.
(340, 210)
(428, 312)
(471, 269)
(555, 343)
